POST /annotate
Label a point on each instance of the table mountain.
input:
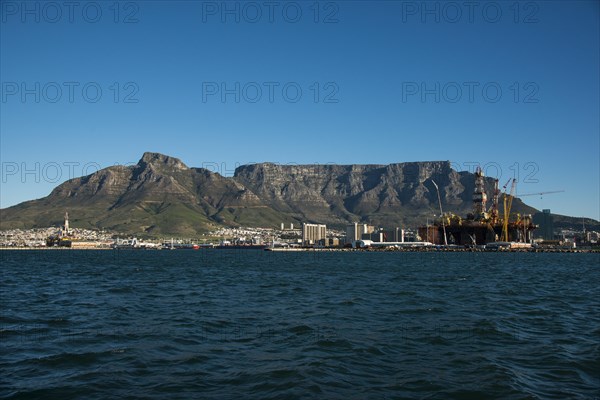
(161, 195)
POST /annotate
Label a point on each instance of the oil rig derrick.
(483, 225)
(479, 197)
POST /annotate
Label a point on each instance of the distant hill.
(161, 195)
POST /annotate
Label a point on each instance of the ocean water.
(258, 325)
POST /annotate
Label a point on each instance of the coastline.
(343, 250)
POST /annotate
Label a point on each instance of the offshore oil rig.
(63, 237)
(483, 226)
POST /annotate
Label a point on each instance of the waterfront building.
(312, 233)
(393, 235)
(358, 231)
(546, 224)
(329, 242)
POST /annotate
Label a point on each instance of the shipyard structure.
(483, 226)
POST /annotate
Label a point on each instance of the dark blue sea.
(249, 324)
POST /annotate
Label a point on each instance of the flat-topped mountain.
(161, 195)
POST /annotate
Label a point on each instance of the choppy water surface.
(254, 324)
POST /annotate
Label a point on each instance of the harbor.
(494, 228)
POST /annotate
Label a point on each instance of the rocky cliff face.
(337, 194)
(161, 195)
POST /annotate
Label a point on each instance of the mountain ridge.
(162, 195)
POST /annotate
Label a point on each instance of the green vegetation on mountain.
(161, 195)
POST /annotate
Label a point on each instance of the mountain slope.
(161, 195)
(384, 195)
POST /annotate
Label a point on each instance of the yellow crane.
(508, 199)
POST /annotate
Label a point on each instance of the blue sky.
(511, 86)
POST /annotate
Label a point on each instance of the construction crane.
(539, 193)
(508, 199)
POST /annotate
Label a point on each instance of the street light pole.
(441, 212)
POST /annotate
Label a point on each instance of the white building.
(312, 233)
(356, 231)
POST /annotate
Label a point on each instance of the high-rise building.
(393, 235)
(546, 223)
(358, 231)
(312, 233)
